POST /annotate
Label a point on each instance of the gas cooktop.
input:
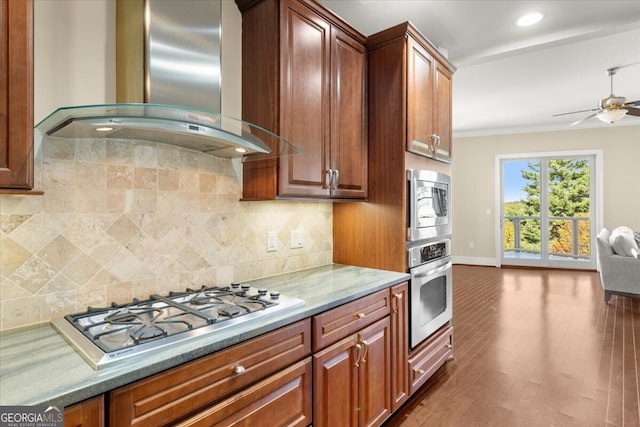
(104, 336)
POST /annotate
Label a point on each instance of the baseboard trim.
(492, 262)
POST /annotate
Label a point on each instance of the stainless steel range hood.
(168, 86)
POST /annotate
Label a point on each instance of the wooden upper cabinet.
(348, 116)
(427, 94)
(306, 99)
(442, 110)
(304, 78)
(419, 99)
(16, 96)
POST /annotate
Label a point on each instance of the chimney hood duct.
(168, 78)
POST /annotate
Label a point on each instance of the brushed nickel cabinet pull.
(239, 370)
(436, 143)
(360, 315)
(335, 179)
(328, 178)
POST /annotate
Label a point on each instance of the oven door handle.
(435, 271)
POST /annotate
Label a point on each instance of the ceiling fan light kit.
(612, 116)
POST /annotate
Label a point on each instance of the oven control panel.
(434, 251)
(422, 254)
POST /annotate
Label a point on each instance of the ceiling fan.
(611, 108)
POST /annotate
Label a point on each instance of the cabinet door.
(16, 94)
(348, 117)
(442, 111)
(352, 379)
(335, 384)
(399, 345)
(89, 413)
(374, 388)
(419, 99)
(305, 97)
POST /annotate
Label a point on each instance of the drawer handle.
(360, 315)
(239, 370)
(421, 371)
(448, 345)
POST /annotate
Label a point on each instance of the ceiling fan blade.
(616, 68)
(575, 112)
(632, 103)
(583, 119)
(631, 111)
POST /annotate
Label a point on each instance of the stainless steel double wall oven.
(429, 252)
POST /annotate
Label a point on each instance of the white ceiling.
(512, 79)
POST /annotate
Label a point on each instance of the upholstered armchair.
(618, 263)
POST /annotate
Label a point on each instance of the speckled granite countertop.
(37, 366)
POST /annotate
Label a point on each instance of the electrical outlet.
(272, 241)
(297, 239)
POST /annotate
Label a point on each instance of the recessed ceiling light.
(529, 19)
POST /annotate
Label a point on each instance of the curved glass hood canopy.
(190, 128)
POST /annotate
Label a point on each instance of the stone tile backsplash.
(120, 220)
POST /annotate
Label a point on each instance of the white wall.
(474, 180)
(75, 48)
(74, 58)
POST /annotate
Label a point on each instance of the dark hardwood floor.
(534, 348)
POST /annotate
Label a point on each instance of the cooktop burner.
(107, 335)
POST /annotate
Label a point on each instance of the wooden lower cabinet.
(171, 396)
(400, 388)
(356, 370)
(88, 413)
(352, 379)
(426, 360)
(284, 399)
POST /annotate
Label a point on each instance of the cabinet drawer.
(333, 325)
(283, 399)
(179, 392)
(426, 361)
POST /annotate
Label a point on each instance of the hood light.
(529, 19)
(104, 129)
(240, 150)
